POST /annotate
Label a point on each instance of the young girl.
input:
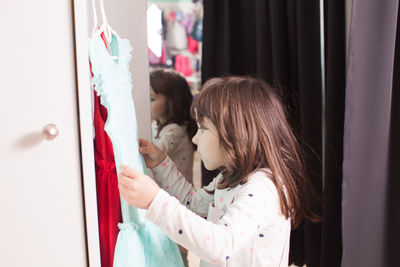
(173, 127)
(260, 193)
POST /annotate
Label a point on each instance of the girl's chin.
(210, 168)
(207, 165)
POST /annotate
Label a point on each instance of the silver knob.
(50, 131)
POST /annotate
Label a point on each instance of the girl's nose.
(195, 139)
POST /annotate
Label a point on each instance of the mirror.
(128, 20)
(102, 200)
(174, 31)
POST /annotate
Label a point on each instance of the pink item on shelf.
(171, 16)
(188, 22)
(178, 15)
(195, 64)
(182, 65)
(153, 59)
(163, 53)
(193, 45)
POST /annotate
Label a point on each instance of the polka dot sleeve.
(169, 138)
(171, 180)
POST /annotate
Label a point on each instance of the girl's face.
(208, 146)
(158, 105)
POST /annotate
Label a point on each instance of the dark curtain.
(371, 168)
(280, 42)
(393, 234)
(335, 82)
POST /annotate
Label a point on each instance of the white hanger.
(108, 31)
(94, 18)
(105, 27)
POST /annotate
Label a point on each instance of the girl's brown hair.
(179, 99)
(254, 132)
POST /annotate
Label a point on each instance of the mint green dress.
(140, 243)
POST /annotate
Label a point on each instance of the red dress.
(108, 199)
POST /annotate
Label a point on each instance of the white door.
(41, 199)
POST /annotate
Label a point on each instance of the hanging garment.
(176, 37)
(197, 32)
(140, 242)
(193, 45)
(182, 65)
(188, 22)
(164, 55)
(153, 59)
(108, 202)
(171, 16)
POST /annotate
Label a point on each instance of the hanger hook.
(94, 17)
(107, 28)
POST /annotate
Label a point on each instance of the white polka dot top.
(175, 142)
(244, 225)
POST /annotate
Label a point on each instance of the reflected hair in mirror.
(175, 88)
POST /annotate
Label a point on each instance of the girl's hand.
(152, 155)
(136, 188)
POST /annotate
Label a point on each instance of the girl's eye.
(152, 99)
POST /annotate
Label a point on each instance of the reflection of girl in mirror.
(172, 126)
(260, 193)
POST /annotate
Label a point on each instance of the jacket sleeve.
(255, 202)
(170, 179)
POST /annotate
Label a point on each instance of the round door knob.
(50, 131)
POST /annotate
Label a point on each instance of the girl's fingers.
(130, 172)
(143, 142)
(124, 181)
(124, 193)
(124, 169)
(144, 150)
(142, 146)
(122, 189)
